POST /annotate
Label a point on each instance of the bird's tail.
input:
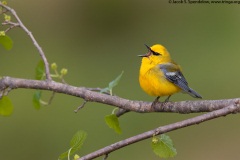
(193, 93)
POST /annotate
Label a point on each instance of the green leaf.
(163, 146)
(63, 155)
(36, 99)
(6, 42)
(112, 122)
(40, 70)
(104, 90)
(6, 107)
(78, 139)
(75, 144)
(111, 85)
(115, 81)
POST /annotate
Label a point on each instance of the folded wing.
(173, 74)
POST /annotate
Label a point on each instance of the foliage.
(39, 70)
(39, 75)
(112, 84)
(112, 122)
(75, 144)
(163, 146)
(6, 107)
(5, 41)
(36, 99)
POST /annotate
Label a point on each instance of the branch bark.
(182, 107)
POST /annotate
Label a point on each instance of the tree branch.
(20, 24)
(182, 107)
(12, 25)
(80, 107)
(164, 129)
(121, 112)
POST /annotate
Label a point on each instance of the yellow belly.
(155, 84)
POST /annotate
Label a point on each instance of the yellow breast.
(153, 81)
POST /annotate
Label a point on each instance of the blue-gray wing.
(173, 74)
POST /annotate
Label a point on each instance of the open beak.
(148, 47)
(148, 53)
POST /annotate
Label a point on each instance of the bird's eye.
(155, 53)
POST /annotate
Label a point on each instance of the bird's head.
(156, 54)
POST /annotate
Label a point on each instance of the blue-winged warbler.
(161, 76)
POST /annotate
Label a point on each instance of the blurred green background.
(95, 41)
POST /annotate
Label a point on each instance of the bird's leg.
(167, 99)
(155, 101)
(165, 102)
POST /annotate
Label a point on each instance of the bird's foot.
(154, 103)
(162, 103)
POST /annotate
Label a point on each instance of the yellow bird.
(161, 76)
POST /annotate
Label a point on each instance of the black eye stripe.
(155, 53)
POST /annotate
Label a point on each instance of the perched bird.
(161, 76)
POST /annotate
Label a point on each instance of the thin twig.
(51, 98)
(48, 77)
(121, 112)
(80, 107)
(97, 90)
(12, 25)
(3, 11)
(105, 157)
(163, 129)
(5, 92)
